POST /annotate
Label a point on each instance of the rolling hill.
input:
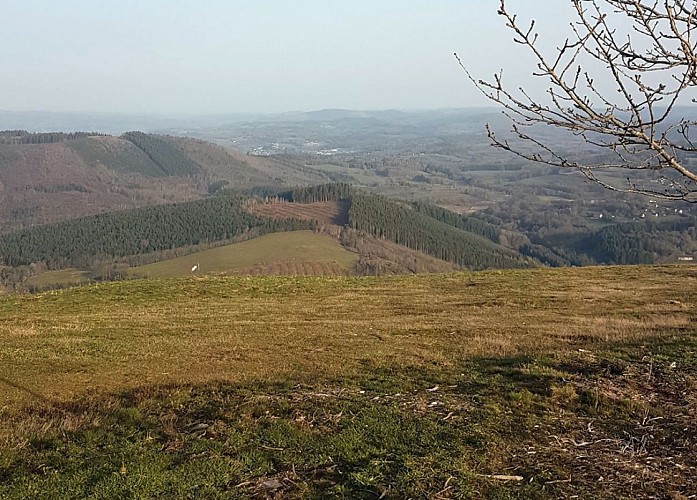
(389, 236)
(47, 178)
(551, 217)
(504, 383)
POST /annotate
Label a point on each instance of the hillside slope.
(391, 237)
(71, 177)
(461, 240)
(377, 256)
(496, 384)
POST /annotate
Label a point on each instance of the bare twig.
(652, 67)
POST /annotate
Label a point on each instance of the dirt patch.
(326, 212)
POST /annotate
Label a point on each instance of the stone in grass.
(272, 485)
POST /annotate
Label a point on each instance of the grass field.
(289, 253)
(61, 277)
(500, 384)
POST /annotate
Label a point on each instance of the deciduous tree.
(646, 49)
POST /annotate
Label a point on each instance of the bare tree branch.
(652, 67)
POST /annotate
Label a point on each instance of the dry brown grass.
(115, 336)
(581, 381)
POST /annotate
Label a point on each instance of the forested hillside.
(641, 242)
(465, 241)
(100, 244)
(78, 242)
(50, 177)
(550, 215)
(470, 224)
(404, 225)
(24, 137)
(104, 242)
(163, 153)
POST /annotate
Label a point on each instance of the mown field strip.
(285, 253)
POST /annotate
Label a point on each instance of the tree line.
(335, 191)
(139, 231)
(469, 224)
(162, 229)
(639, 242)
(402, 224)
(24, 137)
(163, 153)
(466, 241)
(343, 191)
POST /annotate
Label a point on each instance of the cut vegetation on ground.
(326, 212)
(501, 384)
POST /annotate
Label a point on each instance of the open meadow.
(541, 383)
(63, 277)
(289, 253)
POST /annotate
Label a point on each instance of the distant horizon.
(115, 123)
(252, 113)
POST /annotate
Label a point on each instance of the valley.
(441, 158)
(333, 250)
(383, 323)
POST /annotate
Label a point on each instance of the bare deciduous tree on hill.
(648, 50)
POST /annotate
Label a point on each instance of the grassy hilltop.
(507, 384)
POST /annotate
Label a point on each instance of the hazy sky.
(227, 56)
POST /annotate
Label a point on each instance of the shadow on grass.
(223, 440)
(394, 431)
(491, 374)
(34, 394)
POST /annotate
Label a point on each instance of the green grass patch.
(57, 278)
(285, 252)
(502, 384)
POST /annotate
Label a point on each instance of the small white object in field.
(502, 477)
